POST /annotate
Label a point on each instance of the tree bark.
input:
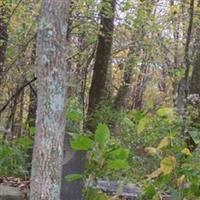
(194, 86)
(140, 87)
(33, 93)
(124, 90)
(51, 89)
(195, 79)
(188, 139)
(98, 86)
(4, 11)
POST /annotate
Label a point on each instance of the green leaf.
(73, 177)
(32, 131)
(149, 192)
(102, 134)
(195, 134)
(166, 112)
(25, 142)
(168, 164)
(81, 143)
(142, 124)
(75, 116)
(120, 153)
(117, 164)
(94, 194)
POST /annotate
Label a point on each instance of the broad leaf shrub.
(145, 147)
(177, 170)
(105, 156)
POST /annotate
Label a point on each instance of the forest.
(99, 99)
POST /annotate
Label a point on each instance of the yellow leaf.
(164, 142)
(186, 151)
(166, 112)
(142, 124)
(168, 164)
(181, 181)
(121, 54)
(155, 174)
(151, 150)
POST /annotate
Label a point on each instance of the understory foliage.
(15, 157)
(159, 161)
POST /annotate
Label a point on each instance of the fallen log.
(127, 191)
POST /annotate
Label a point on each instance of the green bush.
(14, 157)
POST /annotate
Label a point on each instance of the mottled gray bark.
(51, 90)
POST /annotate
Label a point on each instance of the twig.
(16, 93)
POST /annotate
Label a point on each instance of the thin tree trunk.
(10, 120)
(32, 107)
(18, 119)
(137, 39)
(194, 88)
(121, 98)
(140, 87)
(33, 94)
(51, 89)
(188, 139)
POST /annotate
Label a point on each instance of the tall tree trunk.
(51, 89)
(4, 12)
(188, 139)
(194, 89)
(98, 86)
(195, 79)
